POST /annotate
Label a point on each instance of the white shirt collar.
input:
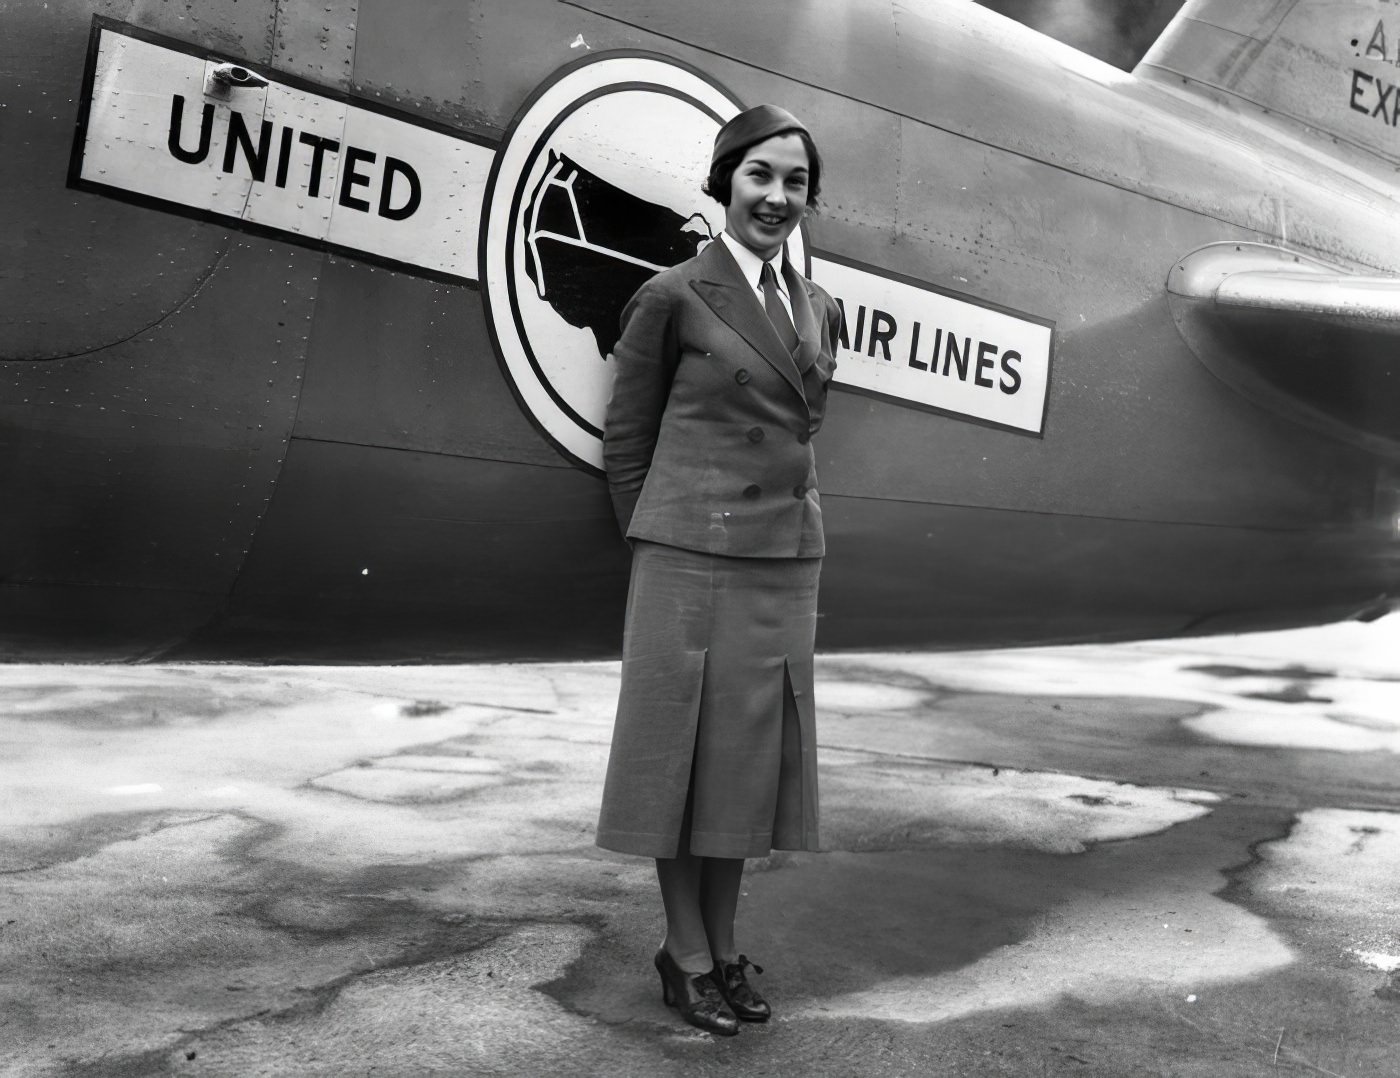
(751, 266)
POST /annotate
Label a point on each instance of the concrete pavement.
(1158, 859)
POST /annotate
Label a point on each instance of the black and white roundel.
(596, 188)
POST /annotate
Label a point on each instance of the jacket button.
(803, 438)
(755, 434)
(741, 376)
(753, 490)
(799, 491)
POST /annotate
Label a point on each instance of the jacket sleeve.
(645, 360)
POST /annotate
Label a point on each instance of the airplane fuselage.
(226, 434)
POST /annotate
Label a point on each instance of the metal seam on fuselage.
(836, 495)
(902, 115)
(933, 126)
(831, 495)
(562, 465)
(1357, 146)
(199, 286)
(49, 582)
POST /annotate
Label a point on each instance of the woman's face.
(768, 194)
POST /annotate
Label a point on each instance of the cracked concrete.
(1159, 859)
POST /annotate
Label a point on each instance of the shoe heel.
(668, 993)
(697, 997)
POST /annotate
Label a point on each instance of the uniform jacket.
(707, 440)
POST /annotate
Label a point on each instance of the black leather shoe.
(746, 1004)
(696, 996)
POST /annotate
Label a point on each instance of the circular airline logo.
(596, 188)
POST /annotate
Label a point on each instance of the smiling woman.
(767, 188)
(721, 378)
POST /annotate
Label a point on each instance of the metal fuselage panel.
(258, 451)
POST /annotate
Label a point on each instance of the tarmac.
(1158, 859)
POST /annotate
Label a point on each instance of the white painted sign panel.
(908, 342)
(283, 158)
(596, 187)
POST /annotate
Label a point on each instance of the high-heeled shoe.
(746, 1004)
(696, 996)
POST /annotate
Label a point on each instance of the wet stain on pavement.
(1296, 692)
(373, 872)
(945, 962)
(1290, 672)
(30, 849)
(423, 707)
(127, 699)
(231, 938)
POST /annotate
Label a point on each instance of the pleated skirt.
(716, 723)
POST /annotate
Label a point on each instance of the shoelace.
(738, 966)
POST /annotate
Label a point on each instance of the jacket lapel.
(803, 317)
(724, 290)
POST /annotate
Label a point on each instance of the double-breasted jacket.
(707, 440)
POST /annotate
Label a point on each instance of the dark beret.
(752, 126)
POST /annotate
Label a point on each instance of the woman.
(721, 378)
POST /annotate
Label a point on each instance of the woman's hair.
(718, 184)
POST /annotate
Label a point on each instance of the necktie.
(777, 313)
